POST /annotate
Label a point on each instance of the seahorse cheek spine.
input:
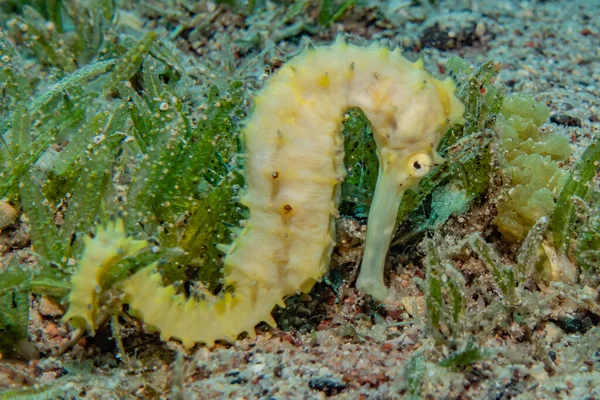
(294, 168)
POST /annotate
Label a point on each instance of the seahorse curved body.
(294, 168)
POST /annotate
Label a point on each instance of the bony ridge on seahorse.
(294, 168)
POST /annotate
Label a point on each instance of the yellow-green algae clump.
(533, 156)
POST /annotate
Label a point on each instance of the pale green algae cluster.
(533, 156)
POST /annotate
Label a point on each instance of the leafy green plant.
(122, 135)
(184, 190)
(444, 288)
(415, 371)
(577, 186)
(63, 34)
(465, 356)
(587, 248)
(509, 278)
(330, 11)
(360, 159)
(504, 275)
(14, 308)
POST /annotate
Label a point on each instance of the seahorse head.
(410, 111)
(410, 116)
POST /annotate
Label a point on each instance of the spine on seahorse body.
(294, 167)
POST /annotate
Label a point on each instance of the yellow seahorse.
(294, 168)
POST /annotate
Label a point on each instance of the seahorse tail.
(103, 252)
(191, 320)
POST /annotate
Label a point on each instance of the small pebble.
(8, 214)
(51, 329)
(566, 120)
(50, 308)
(328, 386)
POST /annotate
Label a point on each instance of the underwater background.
(121, 120)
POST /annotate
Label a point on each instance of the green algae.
(577, 186)
(587, 247)
(467, 355)
(415, 371)
(504, 275)
(14, 308)
(115, 137)
(360, 159)
(444, 288)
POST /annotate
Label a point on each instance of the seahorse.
(293, 169)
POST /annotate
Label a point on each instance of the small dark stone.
(306, 328)
(237, 379)
(327, 385)
(577, 323)
(573, 325)
(566, 120)
(278, 370)
(439, 38)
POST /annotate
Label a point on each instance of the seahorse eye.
(418, 165)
